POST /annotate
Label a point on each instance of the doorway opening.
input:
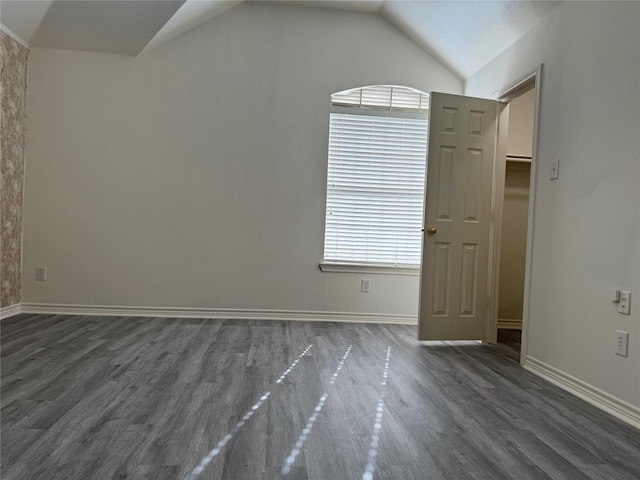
(514, 196)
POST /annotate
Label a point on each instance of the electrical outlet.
(624, 306)
(622, 343)
(41, 274)
(364, 285)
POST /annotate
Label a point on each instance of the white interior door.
(454, 284)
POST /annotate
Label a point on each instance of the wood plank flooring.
(509, 342)
(155, 398)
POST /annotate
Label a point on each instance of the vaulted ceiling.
(463, 35)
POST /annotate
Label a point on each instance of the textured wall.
(13, 96)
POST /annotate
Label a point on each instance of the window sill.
(371, 268)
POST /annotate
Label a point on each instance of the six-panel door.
(453, 277)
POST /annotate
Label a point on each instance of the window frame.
(366, 267)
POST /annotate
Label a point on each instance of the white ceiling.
(22, 17)
(104, 26)
(464, 35)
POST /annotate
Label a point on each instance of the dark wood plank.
(128, 397)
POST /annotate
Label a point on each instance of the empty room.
(324, 240)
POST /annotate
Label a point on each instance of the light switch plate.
(41, 274)
(614, 295)
(555, 166)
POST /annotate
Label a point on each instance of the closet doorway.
(515, 219)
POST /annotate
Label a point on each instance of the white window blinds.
(383, 97)
(375, 185)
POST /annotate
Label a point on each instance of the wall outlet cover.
(622, 343)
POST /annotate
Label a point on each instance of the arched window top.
(375, 177)
(383, 97)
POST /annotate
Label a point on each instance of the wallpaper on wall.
(13, 98)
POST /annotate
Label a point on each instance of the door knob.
(431, 230)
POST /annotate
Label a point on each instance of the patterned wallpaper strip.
(13, 96)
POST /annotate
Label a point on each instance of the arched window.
(375, 177)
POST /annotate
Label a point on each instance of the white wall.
(195, 175)
(587, 230)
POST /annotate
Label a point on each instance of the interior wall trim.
(10, 311)
(605, 401)
(217, 313)
(512, 324)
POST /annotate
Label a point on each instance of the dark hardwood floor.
(509, 341)
(154, 398)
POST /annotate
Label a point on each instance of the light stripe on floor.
(295, 451)
(385, 374)
(370, 468)
(223, 442)
(373, 445)
(288, 370)
(303, 436)
(344, 357)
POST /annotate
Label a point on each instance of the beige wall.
(195, 175)
(521, 111)
(13, 98)
(586, 236)
(513, 245)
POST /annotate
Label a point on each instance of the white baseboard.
(217, 313)
(10, 311)
(613, 405)
(512, 324)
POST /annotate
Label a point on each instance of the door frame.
(504, 96)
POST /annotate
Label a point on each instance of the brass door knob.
(431, 230)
